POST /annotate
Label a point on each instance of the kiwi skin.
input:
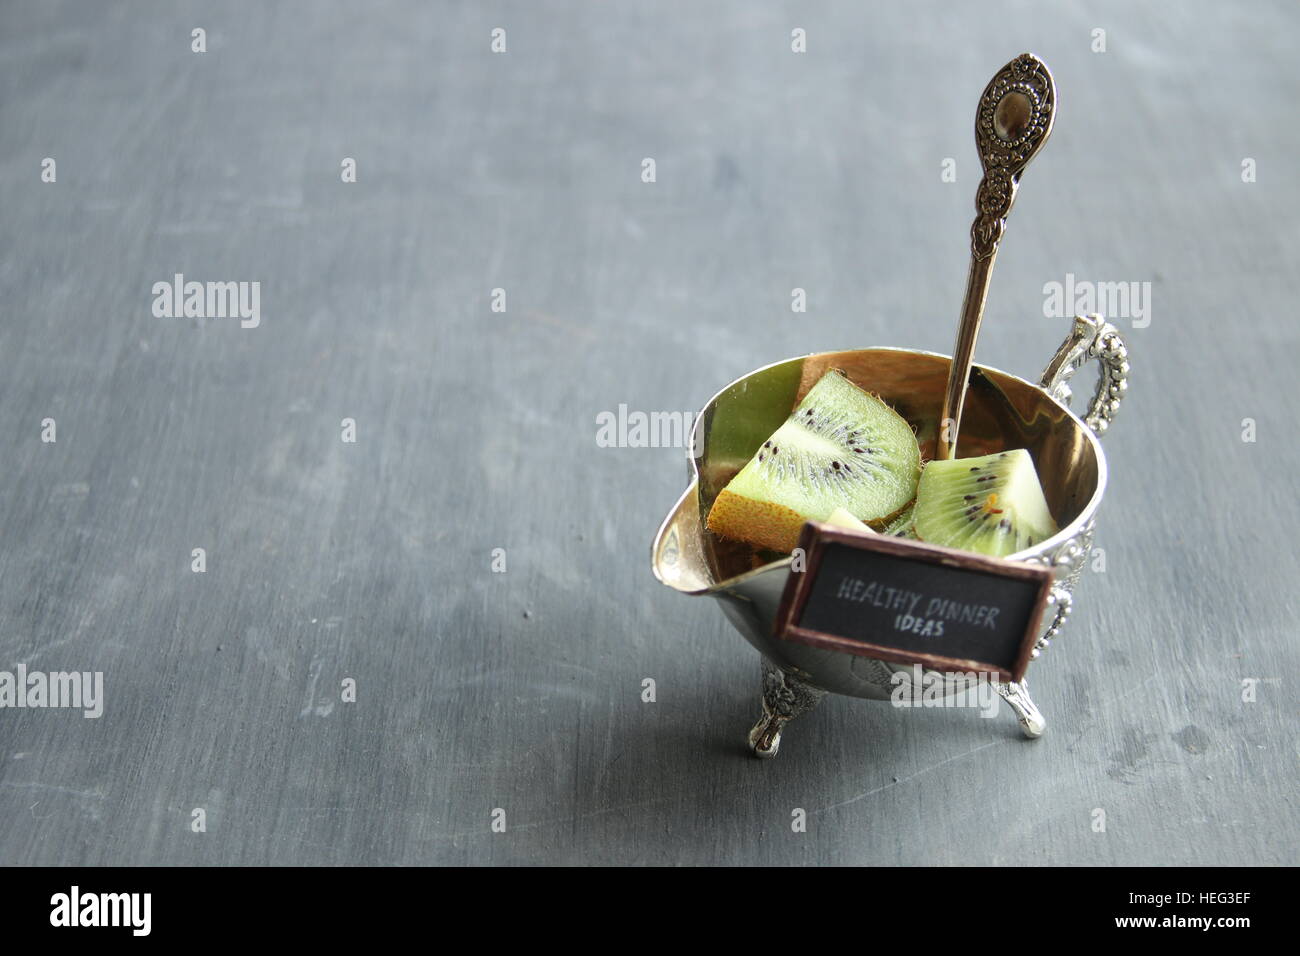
(764, 524)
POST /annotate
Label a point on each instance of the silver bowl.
(1002, 411)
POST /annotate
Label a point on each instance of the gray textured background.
(477, 430)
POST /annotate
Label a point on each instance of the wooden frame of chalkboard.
(1010, 598)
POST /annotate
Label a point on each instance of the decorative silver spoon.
(1013, 122)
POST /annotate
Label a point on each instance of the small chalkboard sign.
(913, 603)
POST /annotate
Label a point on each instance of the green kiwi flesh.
(992, 505)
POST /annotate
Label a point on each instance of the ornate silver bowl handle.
(1091, 338)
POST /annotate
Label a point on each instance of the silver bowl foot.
(785, 697)
(765, 736)
(1032, 723)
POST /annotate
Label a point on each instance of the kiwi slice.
(993, 505)
(842, 447)
(902, 526)
(841, 518)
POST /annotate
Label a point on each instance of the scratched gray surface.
(476, 430)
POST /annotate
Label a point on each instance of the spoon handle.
(1012, 123)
